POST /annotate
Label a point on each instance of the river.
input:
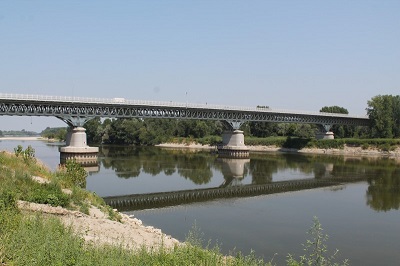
(361, 217)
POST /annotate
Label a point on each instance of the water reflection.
(383, 192)
(201, 168)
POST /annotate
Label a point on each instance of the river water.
(362, 217)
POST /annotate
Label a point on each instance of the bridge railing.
(123, 101)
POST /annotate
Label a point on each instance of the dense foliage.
(135, 131)
(384, 112)
(58, 133)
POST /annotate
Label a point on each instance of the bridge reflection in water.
(233, 171)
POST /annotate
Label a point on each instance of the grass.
(36, 240)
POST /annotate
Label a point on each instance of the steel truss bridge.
(75, 111)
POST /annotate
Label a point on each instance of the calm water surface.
(362, 219)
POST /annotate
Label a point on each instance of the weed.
(316, 249)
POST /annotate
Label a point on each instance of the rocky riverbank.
(95, 227)
(98, 229)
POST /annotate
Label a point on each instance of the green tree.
(334, 109)
(93, 133)
(59, 133)
(384, 113)
(340, 131)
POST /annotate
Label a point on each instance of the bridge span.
(75, 111)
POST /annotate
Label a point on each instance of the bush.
(47, 194)
(72, 174)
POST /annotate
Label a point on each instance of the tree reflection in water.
(382, 174)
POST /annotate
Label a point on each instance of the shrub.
(72, 174)
(28, 154)
(47, 194)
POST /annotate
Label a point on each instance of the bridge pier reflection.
(233, 170)
(77, 149)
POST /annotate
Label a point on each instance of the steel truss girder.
(77, 113)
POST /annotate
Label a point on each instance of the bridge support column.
(326, 135)
(77, 149)
(233, 145)
(325, 132)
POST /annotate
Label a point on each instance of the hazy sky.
(299, 55)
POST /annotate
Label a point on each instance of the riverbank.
(85, 231)
(347, 150)
(98, 224)
(22, 138)
(97, 228)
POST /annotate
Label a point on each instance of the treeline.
(134, 131)
(17, 133)
(383, 110)
(58, 133)
(151, 131)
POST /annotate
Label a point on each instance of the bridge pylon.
(77, 149)
(233, 145)
(326, 132)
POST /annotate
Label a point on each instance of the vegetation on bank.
(18, 133)
(15, 176)
(300, 143)
(46, 241)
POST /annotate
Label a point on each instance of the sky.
(297, 55)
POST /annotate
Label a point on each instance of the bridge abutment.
(77, 149)
(233, 145)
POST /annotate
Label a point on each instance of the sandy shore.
(192, 146)
(350, 151)
(22, 138)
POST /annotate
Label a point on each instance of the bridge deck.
(87, 108)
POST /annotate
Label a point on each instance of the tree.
(384, 113)
(92, 130)
(59, 133)
(340, 131)
(334, 109)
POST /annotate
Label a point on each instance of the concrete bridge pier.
(77, 149)
(325, 132)
(233, 145)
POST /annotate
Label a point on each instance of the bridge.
(75, 111)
